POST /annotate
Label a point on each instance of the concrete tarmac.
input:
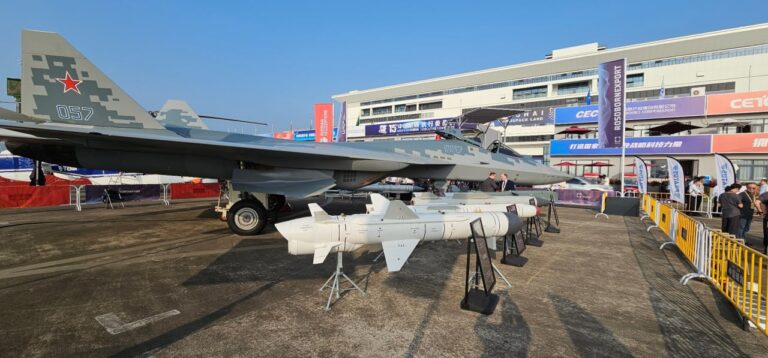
(152, 280)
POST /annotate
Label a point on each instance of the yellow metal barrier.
(737, 271)
(739, 274)
(644, 203)
(685, 235)
(665, 219)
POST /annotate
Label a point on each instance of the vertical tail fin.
(60, 85)
(178, 114)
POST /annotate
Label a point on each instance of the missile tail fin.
(397, 210)
(322, 252)
(397, 252)
(379, 203)
(318, 213)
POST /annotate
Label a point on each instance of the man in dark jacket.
(731, 205)
(763, 208)
(749, 203)
(489, 184)
(505, 184)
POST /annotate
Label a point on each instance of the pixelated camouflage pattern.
(46, 58)
(178, 114)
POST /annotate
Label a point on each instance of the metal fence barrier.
(737, 271)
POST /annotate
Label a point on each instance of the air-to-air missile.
(394, 226)
(472, 198)
(523, 210)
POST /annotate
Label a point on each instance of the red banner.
(740, 143)
(193, 190)
(284, 135)
(745, 102)
(324, 122)
(29, 196)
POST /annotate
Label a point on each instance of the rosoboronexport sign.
(652, 109)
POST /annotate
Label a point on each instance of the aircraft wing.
(222, 145)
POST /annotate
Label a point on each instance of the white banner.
(726, 173)
(676, 185)
(642, 175)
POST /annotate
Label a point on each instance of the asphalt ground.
(152, 280)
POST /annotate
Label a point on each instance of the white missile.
(395, 227)
(471, 198)
(523, 210)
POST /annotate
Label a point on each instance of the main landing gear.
(246, 213)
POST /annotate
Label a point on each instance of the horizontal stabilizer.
(318, 213)
(397, 210)
(322, 252)
(15, 116)
(294, 183)
(397, 252)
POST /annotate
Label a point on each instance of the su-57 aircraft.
(74, 115)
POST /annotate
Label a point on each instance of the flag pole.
(624, 127)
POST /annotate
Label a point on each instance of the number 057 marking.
(75, 113)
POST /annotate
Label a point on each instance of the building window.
(635, 80)
(749, 126)
(399, 108)
(366, 112)
(382, 110)
(751, 170)
(410, 107)
(529, 138)
(640, 130)
(574, 87)
(532, 92)
(430, 105)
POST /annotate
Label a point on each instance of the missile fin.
(379, 203)
(322, 252)
(397, 252)
(318, 213)
(397, 210)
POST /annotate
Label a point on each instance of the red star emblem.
(69, 83)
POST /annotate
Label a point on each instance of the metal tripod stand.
(336, 285)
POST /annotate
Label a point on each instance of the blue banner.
(693, 144)
(652, 109)
(612, 89)
(410, 127)
(308, 135)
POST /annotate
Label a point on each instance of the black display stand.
(476, 299)
(552, 212)
(514, 245)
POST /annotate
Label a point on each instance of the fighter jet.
(88, 121)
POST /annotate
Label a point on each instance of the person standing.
(730, 204)
(695, 192)
(748, 201)
(762, 201)
(505, 184)
(763, 186)
(489, 184)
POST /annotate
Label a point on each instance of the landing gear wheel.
(247, 217)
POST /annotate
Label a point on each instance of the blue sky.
(271, 61)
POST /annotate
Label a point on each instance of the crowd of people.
(740, 204)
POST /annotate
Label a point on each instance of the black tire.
(247, 217)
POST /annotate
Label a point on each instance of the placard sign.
(519, 240)
(735, 272)
(484, 263)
